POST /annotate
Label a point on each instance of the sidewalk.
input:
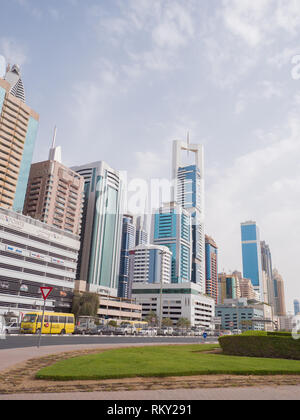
(283, 393)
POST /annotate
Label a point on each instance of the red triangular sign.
(46, 291)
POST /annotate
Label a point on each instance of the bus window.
(62, 319)
(54, 319)
(29, 318)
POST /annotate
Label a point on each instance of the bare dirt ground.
(21, 380)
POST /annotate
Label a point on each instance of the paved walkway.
(253, 394)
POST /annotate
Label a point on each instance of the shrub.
(261, 344)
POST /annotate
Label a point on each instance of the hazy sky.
(123, 79)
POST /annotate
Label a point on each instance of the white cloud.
(263, 185)
(13, 51)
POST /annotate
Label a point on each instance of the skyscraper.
(18, 131)
(229, 287)
(141, 231)
(171, 227)
(99, 257)
(251, 250)
(297, 307)
(266, 260)
(189, 193)
(280, 307)
(150, 264)
(211, 253)
(128, 243)
(55, 194)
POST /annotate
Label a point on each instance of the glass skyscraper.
(171, 227)
(189, 193)
(128, 243)
(251, 252)
(99, 256)
(297, 307)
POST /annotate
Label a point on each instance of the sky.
(122, 79)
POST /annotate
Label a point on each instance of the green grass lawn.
(163, 361)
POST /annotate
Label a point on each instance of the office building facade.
(189, 194)
(251, 251)
(150, 264)
(99, 256)
(211, 256)
(32, 255)
(183, 300)
(18, 131)
(171, 227)
(229, 287)
(55, 195)
(237, 314)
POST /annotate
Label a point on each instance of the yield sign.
(46, 291)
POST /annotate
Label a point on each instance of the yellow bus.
(54, 323)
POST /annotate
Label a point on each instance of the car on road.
(97, 330)
(120, 331)
(13, 328)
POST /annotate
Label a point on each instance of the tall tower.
(211, 253)
(266, 260)
(280, 307)
(251, 251)
(18, 131)
(128, 243)
(99, 257)
(55, 194)
(189, 193)
(171, 227)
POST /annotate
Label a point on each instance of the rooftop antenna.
(54, 137)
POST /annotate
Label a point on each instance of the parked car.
(236, 332)
(97, 330)
(120, 331)
(107, 330)
(12, 328)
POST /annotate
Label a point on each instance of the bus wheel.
(38, 331)
(63, 332)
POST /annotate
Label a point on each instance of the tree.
(85, 304)
(152, 319)
(113, 323)
(167, 322)
(183, 323)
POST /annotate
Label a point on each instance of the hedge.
(261, 345)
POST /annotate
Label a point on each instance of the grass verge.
(163, 361)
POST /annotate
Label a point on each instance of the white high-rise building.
(150, 264)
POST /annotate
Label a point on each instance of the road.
(21, 341)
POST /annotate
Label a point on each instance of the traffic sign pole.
(42, 323)
(45, 293)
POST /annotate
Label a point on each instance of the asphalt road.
(21, 341)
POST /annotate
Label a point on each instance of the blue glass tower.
(171, 227)
(189, 194)
(251, 251)
(128, 243)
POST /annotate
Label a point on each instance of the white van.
(2, 327)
